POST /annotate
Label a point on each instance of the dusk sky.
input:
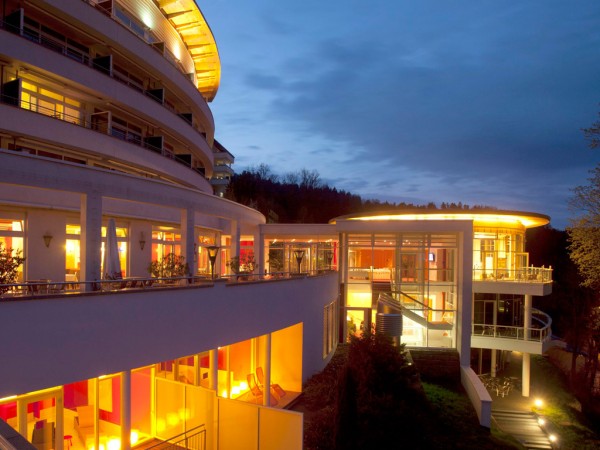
(480, 102)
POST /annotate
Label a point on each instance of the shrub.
(170, 266)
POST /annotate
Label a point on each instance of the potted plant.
(170, 266)
(242, 266)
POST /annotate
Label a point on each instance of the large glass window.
(418, 270)
(165, 240)
(498, 254)
(73, 251)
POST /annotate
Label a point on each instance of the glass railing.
(525, 274)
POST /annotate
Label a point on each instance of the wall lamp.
(47, 239)
(142, 241)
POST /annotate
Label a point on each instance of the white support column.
(266, 364)
(527, 317)
(259, 250)
(235, 239)
(494, 363)
(60, 425)
(213, 374)
(91, 238)
(125, 410)
(526, 374)
(188, 239)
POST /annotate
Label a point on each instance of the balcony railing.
(49, 288)
(524, 275)
(103, 126)
(76, 54)
(540, 333)
(193, 439)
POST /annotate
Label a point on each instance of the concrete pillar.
(259, 250)
(235, 238)
(91, 238)
(125, 410)
(494, 363)
(266, 365)
(60, 425)
(526, 373)
(188, 239)
(213, 374)
(527, 317)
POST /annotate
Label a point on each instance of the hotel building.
(106, 135)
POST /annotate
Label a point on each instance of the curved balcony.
(116, 90)
(80, 134)
(112, 34)
(536, 339)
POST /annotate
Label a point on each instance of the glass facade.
(499, 254)
(418, 270)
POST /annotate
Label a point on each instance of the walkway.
(512, 412)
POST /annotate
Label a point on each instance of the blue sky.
(480, 102)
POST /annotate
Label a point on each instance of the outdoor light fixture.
(541, 421)
(552, 438)
(538, 403)
(299, 254)
(47, 239)
(212, 256)
(142, 241)
(329, 258)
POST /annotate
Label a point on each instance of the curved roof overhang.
(492, 218)
(189, 22)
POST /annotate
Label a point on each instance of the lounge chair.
(256, 391)
(276, 390)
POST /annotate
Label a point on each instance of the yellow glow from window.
(496, 218)
(161, 425)
(134, 437)
(73, 229)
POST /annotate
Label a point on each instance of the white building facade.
(104, 118)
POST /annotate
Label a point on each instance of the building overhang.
(481, 218)
(188, 20)
(513, 287)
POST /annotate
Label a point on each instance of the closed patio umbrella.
(112, 263)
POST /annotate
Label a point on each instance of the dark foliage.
(302, 198)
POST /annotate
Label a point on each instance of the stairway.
(524, 427)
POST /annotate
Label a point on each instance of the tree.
(10, 260)
(584, 247)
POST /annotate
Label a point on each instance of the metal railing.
(192, 439)
(49, 288)
(523, 275)
(103, 126)
(517, 333)
(81, 57)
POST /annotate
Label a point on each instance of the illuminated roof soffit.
(479, 218)
(189, 22)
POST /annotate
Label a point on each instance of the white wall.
(53, 341)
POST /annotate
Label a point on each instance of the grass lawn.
(560, 408)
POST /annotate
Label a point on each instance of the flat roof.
(482, 217)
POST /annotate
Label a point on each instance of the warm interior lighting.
(113, 444)
(5, 399)
(541, 421)
(552, 438)
(134, 437)
(538, 403)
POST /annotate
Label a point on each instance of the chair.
(256, 391)
(276, 390)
